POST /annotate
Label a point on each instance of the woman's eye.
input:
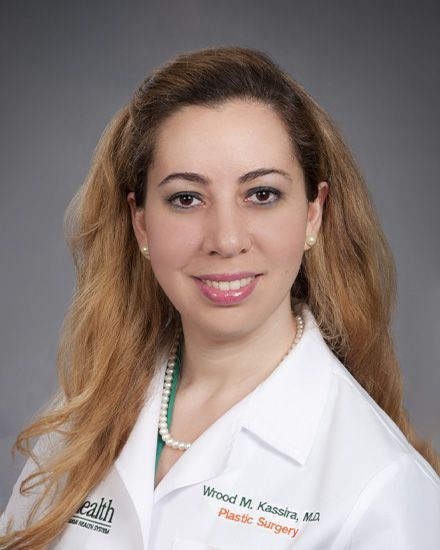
(263, 195)
(182, 201)
(185, 200)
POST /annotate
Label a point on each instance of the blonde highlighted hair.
(120, 320)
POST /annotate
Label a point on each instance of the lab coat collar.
(136, 462)
(208, 455)
(286, 409)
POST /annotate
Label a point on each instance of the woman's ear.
(314, 216)
(137, 220)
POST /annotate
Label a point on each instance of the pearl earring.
(311, 240)
(144, 251)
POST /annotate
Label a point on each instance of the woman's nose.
(226, 230)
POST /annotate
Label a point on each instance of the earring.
(311, 240)
(144, 251)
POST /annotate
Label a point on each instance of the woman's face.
(226, 196)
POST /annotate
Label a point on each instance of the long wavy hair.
(120, 321)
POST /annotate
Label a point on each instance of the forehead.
(235, 134)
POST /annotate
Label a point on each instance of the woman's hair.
(120, 321)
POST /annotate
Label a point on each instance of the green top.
(160, 441)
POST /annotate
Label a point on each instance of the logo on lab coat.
(96, 516)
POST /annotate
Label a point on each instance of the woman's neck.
(210, 368)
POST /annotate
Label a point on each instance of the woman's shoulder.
(353, 426)
(367, 432)
(388, 489)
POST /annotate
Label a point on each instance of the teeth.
(229, 285)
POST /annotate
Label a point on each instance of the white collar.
(285, 411)
(286, 408)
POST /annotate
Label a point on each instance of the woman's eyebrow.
(249, 176)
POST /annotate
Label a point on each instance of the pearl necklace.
(168, 382)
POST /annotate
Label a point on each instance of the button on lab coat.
(307, 460)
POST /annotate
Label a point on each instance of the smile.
(227, 293)
(229, 285)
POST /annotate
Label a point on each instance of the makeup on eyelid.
(270, 190)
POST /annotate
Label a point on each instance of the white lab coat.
(307, 460)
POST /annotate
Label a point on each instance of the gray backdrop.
(67, 67)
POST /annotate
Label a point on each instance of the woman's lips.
(226, 297)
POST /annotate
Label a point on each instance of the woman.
(227, 373)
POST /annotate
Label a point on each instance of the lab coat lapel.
(208, 456)
(296, 394)
(285, 410)
(288, 406)
(136, 463)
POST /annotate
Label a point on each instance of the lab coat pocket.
(186, 544)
